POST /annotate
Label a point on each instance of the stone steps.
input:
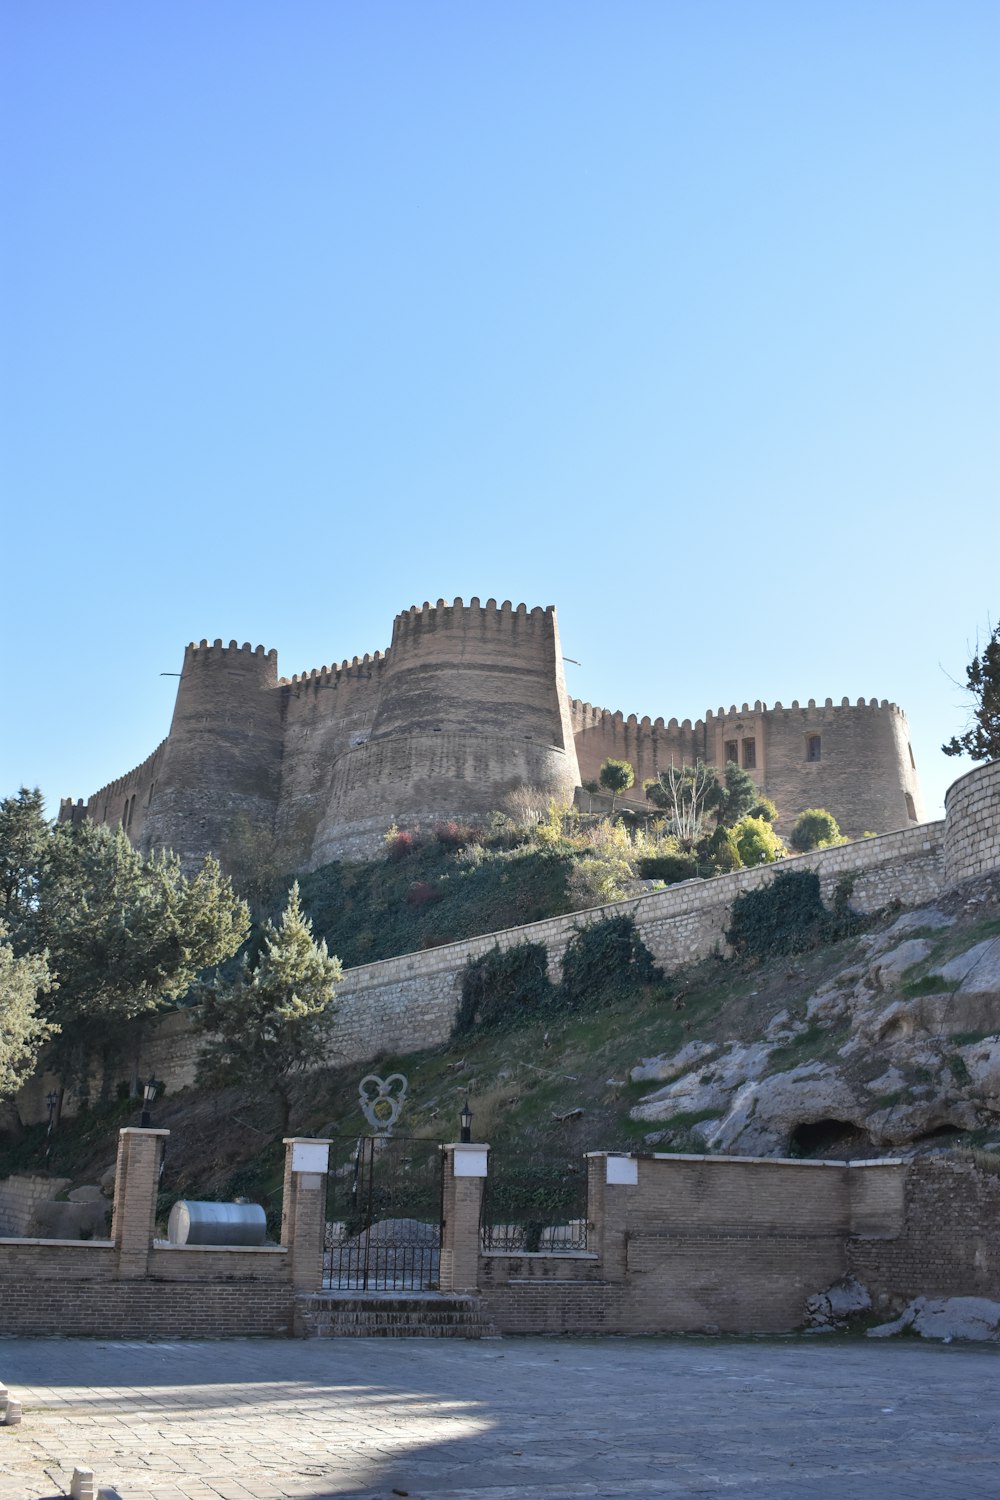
(362, 1315)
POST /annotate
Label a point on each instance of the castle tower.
(222, 758)
(472, 705)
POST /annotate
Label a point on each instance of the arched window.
(814, 747)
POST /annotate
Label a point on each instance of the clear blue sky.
(683, 317)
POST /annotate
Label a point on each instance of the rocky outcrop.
(898, 1047)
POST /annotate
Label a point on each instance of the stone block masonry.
(409, 1003)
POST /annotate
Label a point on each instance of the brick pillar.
(303, 1213)
(137, 1181)
(610, 1181)
(464, 1169)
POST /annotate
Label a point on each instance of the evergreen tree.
(270, 1023)
(616, 776)
(982, 679)
(22, 1030)
(122, 935)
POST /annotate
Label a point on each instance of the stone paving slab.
(615, 1419)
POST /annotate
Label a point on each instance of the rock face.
(899, 1047)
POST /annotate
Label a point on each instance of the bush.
(502, 986)
(668, 867)
(785, 916)
(815, 829)
(606, 962)
(757, 842)
(398, 844)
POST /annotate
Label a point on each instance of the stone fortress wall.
(407, 1003)
(853, 759)
(468, 703)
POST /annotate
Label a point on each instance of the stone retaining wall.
(20, 1197)
(972, 821)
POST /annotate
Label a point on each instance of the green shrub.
(606, 962)
(785, 916)
(815, 829)
(667, 867)
(757, 842)
(504, 985)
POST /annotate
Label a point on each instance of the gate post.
(303, 1211)
(137, 1180)
(464, 1171)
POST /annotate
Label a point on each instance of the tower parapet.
(472, 705)
(222, 759)
(467, 704)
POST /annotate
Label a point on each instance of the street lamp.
(51, 1099)
(148, 1095)
(466, 1120)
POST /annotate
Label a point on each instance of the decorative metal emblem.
(381, 1100)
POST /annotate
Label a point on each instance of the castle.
(468, 703)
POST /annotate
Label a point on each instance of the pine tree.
(270, 1023)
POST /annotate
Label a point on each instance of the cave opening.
(829, 1137)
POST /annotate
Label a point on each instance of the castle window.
(749, 754)
(814, 747)
(733, 751)
(912, 761)
(911, 811)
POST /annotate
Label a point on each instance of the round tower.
(222, 758)
(472, 704)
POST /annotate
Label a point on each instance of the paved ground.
(533, 1419)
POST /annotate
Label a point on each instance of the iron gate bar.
(384, 1232)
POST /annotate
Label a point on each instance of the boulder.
(832, 1308)
(946, 1318)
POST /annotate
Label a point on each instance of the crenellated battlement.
(423, 619)
(586, 715)
(466, 705)
(358, 667)
(129, 781)
(203, 650)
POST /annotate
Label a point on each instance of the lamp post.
(148, 1095)
(51, 1100)
(466, 1122)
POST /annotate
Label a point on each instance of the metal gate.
(383, 1214)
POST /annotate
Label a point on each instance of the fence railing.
(529, 1208)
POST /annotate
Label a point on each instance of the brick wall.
(131, 1286)
(62, 1287)
(948, 1238)
(737, 1245)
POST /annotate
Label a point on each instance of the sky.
(683, 317)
